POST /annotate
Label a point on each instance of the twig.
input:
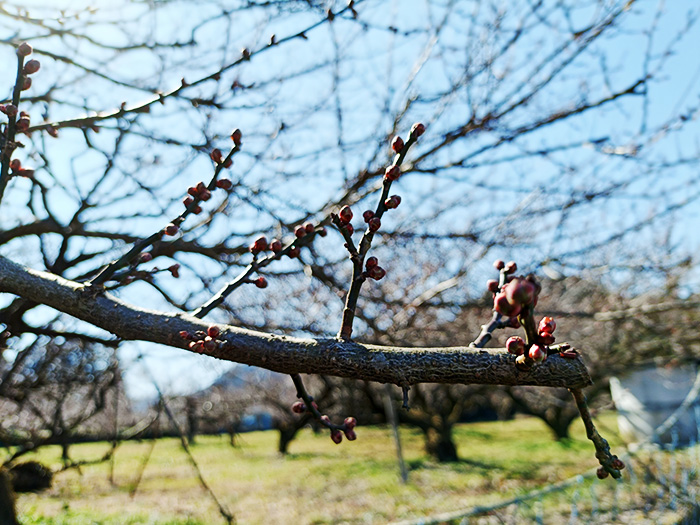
(108, 271)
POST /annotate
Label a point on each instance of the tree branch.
(383, 364)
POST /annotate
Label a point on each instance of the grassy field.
(319, 482)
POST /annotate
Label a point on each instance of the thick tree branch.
(401, 366)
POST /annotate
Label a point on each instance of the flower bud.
(345, 214)
(515, 345)
(417, 130)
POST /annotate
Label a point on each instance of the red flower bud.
(417, 130)
(492, 285)
(171, 229)
(216, 155)
(323, 232)
(187, 201)
(617, 463)
(174, 270)
(499, 264)
(376, 272)
(236, 136)
(26, 84)
(145, 257)
(184, 334)
(350, 423)
(261, 282)
(15, 164)
(351, 435)
(537, 353)
(374, 224)
(24, 49)
(511, 267)
(298, 407)
(397, 144)
(515, 345)
(345, 214)
(213, 331)
(504, 307)
(546, 338)
(10, 110)
(371, 262)
(228, 163)
(276, 245)
(193, 191)
(602, 473)
(366, 216)
(309, 227)
(51, 130)
(300, 231)
(392, 202)
(325, 419)
(209, 344)
(392, 173)
(547, 324)
(519, 291)
(224, 184)
(22, 125)
(294, 252)
(259, 245)
(205, 195)
(31, 67)
(336, 436)
(349, 228)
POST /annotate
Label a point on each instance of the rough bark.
(383, 364)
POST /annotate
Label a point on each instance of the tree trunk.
(439, 444)
(7, 500)
(287, 435)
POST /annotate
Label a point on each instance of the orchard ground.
(320, 482)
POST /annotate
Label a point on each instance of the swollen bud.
(345, 214)
(392, 202)
(537, 353)
(236, 136)
(31, 67)
(336, 436)
(515, 345)
(417, 130)
(397, 144)
(298, 407)
(24, 49)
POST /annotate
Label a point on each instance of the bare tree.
(528, 150)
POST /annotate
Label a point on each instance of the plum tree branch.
(383, 364)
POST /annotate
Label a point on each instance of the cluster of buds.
(303, 230)
(31, 67)
(198, 191)
(373, 223)
(616, 463)
(337, 431)
(373, 270)
(512, 294)
(17, 169)
(201, 341)
(344, 217)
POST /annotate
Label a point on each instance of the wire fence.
(661, 484)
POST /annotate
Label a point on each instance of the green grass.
(319, 482)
